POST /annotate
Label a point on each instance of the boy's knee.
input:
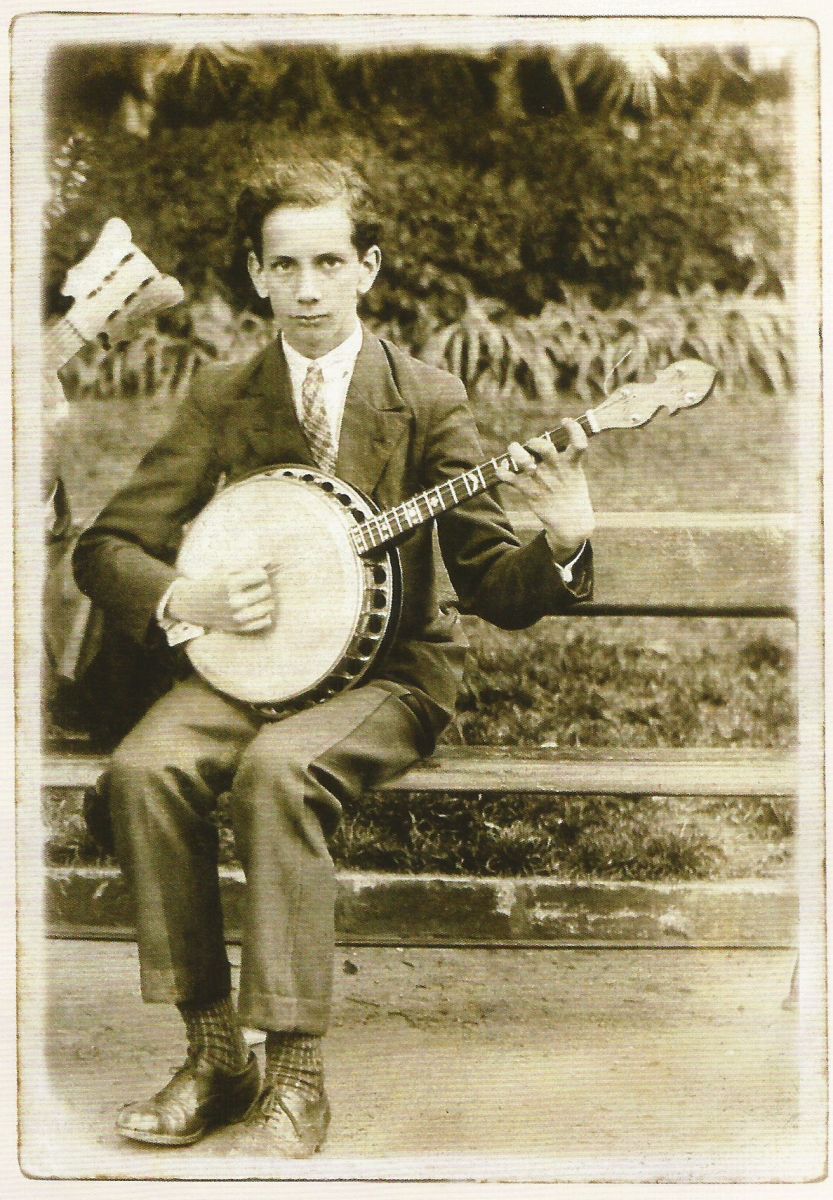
(143, 760)
(135, 760)
(268, 768)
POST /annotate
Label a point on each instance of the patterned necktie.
(315, 421)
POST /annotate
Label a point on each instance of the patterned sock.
(213, 1034)
(294, 1060)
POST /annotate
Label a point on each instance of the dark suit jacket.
(406, 427)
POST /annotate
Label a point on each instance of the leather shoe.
(286, 1122)
(200, 1097)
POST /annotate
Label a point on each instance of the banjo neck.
(387, 527)
(61, 342)
(680, 385)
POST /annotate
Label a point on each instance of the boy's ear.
(371, 262)
(256, 275)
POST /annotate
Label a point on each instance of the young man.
(329, 393)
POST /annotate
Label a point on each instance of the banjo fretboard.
(388, 526)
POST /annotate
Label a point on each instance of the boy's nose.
(308, 289)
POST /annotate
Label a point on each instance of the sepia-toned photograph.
(418, 598)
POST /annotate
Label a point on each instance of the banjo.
(114, 290)
(333, 562)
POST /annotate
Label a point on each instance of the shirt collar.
(338, 359)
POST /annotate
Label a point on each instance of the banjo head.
(332, 606)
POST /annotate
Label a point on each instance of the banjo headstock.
(680, 385)
(116, 287)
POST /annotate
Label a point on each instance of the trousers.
(288, 782)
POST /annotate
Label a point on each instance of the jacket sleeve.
(495, 577)
(123, 560)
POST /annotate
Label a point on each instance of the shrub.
(575, 346)
(526, 206)
(569, 347)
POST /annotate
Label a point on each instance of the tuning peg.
(114, 241)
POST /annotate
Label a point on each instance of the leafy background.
(562, 199)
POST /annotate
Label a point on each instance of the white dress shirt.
(337, 367)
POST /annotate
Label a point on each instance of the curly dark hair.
(306, 182)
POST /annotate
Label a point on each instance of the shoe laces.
(269, 1103)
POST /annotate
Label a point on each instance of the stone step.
(374, 908)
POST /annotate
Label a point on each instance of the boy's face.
(312, 274)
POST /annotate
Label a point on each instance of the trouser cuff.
(261, 1010)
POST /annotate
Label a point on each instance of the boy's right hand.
(236, 601)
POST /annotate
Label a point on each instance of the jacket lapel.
(375, 418)
(270, 423)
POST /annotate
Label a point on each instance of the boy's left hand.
(555, 488)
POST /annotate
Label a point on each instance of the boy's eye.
(330, 260)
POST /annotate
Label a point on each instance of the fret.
(449, 483)
(394, 512)
(60, 342)
(560, 439)
(473, 481)
(358, 534)
(414, 517)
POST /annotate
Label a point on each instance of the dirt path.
(536, 1064)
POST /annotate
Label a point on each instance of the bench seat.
(705, 771)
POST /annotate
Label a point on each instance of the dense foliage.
(514, 190)
(571, 346)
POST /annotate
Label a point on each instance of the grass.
(560, 686)
(692, 682)
(567, 684)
